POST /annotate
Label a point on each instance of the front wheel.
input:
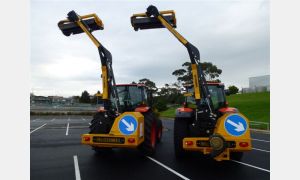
(181, 131)
(148, 146)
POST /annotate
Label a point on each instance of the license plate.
(114, 140)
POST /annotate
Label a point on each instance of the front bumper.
(106, 140)
(202, 144)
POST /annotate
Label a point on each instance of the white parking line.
(260, 140)
(52, 119)
(38, 128)
(77, 172)
(260, 150)
(69, 119)
(67, 131)
(83, 119)
(166, 167)
(251, 165)
(90, 124)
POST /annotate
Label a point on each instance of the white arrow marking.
(130, 127)
(238, 127)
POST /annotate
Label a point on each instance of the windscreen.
(130, 97)
(217, 96)
(135, 94)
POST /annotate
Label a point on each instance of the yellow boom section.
(166, 19)
(87, 24)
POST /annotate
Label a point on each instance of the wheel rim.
(153, 135)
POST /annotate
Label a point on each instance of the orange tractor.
(127, 119)
(205, 123)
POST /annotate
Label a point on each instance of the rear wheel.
(148, 146)
(181, 130)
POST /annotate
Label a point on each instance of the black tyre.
(101, 124)
(148, 146)
(236, 156)
(181, 130)
(159, 131)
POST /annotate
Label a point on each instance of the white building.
(259, 81)
(258, 84)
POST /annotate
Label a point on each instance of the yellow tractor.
(126, 119)
(205, 123)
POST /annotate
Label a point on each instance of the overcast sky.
(234, 35)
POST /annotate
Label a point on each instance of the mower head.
(70, 26)
(149, 21)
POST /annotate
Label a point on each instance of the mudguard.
(184, 112)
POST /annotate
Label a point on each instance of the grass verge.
(255, 106)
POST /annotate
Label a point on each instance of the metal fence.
(63, 108)
(259, 125)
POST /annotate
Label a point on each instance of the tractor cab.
(216, 91)
(132, 96)
(218, 97)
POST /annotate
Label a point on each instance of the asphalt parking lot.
(56, 153)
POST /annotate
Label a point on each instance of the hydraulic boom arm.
(76, 24)
(155, 19)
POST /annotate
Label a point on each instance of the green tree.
(150, 84)
(85, 97)
(210, 70)
(171, 94)
(184, 75)
(161, 105)
(233, 89)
